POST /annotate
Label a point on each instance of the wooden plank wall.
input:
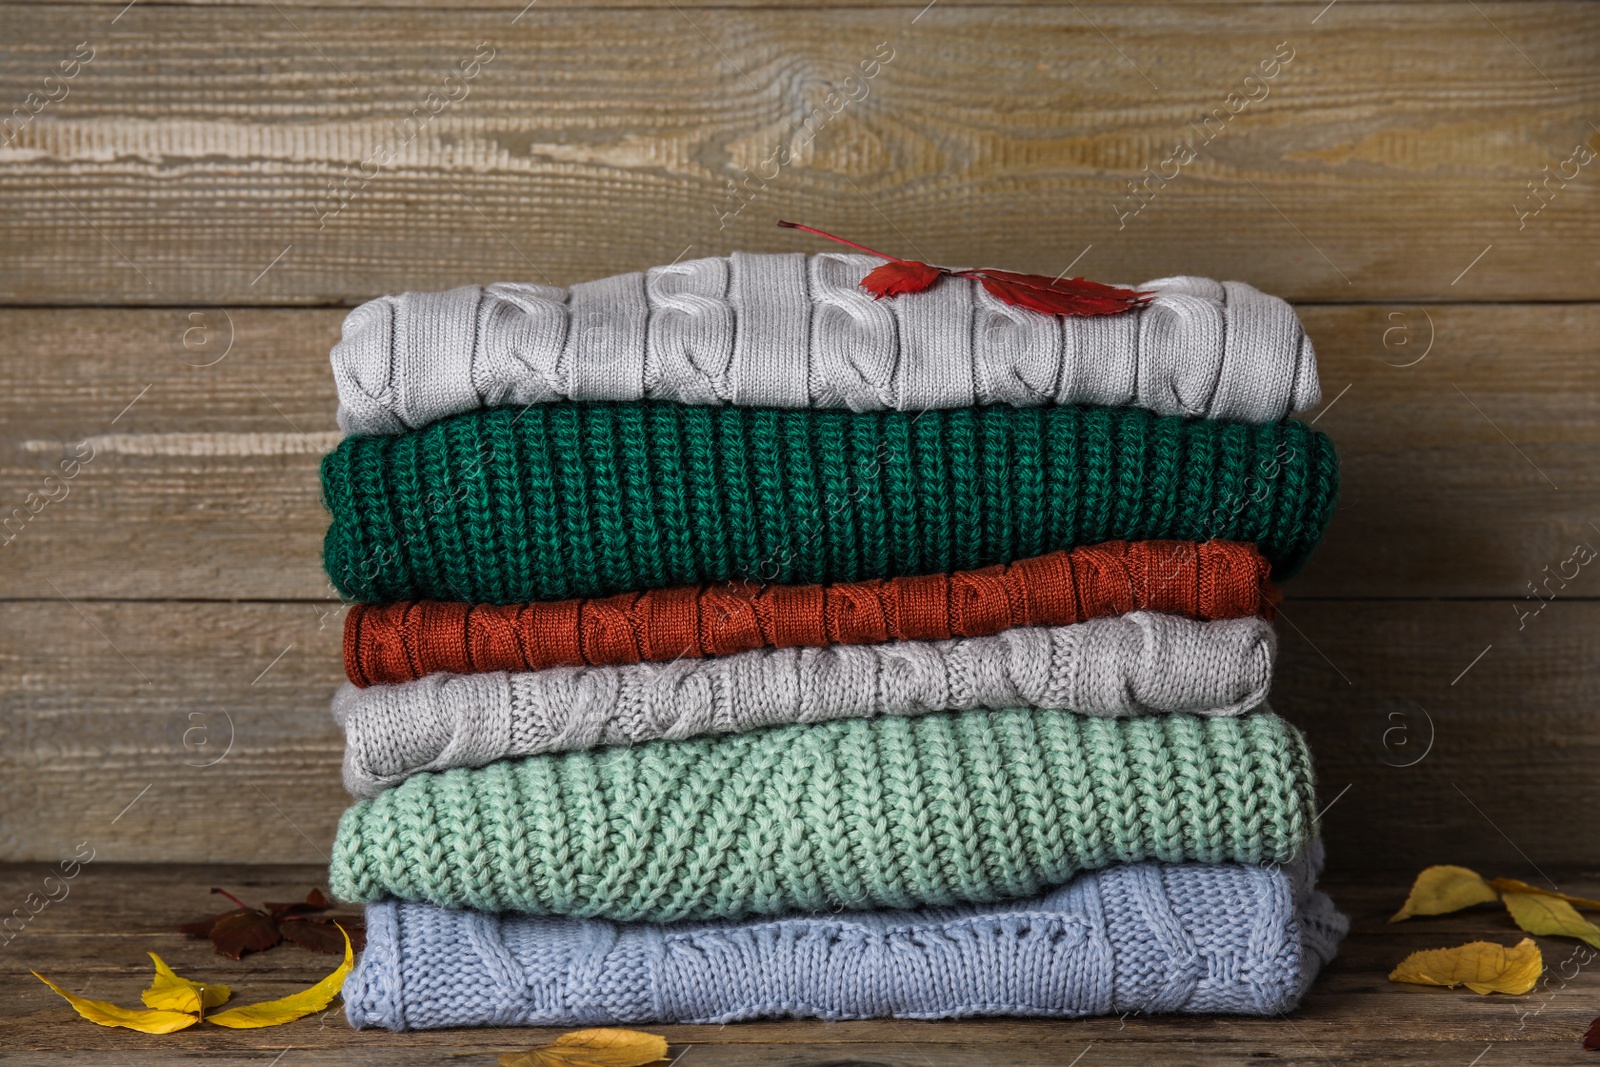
(185, 216)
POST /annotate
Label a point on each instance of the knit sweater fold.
(894, 812)
(400, 642)
(1135, 664)
(1143, 937)
(581, 500)
(790, 331)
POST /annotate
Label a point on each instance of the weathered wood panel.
(199, 470)
(206, 487)
(1467, 438)
(170, 731)
(1457, 734)
(120, 718)
(1382, 162)
(94, 941)
(514, 6)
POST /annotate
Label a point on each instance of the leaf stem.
(841, 240)
(233, 898)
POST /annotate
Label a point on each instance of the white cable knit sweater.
(785, 330)
(1136, 664)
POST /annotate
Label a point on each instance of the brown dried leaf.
(245, 931)
(321, 933)
(1511, 885)
(203, 927)
(315, 902)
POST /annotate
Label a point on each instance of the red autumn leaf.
(1591, 1039)
(319, 934)
(1048, 296)
(900, 276)
(1056, 296)
(894, 278)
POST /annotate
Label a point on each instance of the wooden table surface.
(190, 199)
(94, 942)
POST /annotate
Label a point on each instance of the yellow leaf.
(1550, 916)
(1511, 885)
(107, 1014)
(1481, 966)
(175, 993)
(294, 1006)
(592, 1048)
(1441, 890)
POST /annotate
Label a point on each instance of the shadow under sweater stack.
(730, 645)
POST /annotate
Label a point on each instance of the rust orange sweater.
(1213, 580)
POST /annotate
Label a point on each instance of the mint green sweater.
(858, 813)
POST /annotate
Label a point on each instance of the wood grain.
(94, 941)
(206, 487)
(170, 731)
(168, 642)
(1311, 9)
(121, 717)
(188, 161)
(1465, 437)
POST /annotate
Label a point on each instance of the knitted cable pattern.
(788, 331)
(1135, 664)
(569, 500)
(855, 814)
(399, 642)
(1144, 937)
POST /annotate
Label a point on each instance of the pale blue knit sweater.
(1144, 937)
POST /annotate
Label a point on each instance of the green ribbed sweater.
(575, 500)
(851, 814)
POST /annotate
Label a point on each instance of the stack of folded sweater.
(731, 645)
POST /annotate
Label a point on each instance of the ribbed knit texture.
(576, 500)
(1143, 937)
(399, 642)
(1135, 664)
(790, 331)
(855, 814)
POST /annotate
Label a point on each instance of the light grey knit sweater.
(790, 331)
(1136, 664)
(1144, 937)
